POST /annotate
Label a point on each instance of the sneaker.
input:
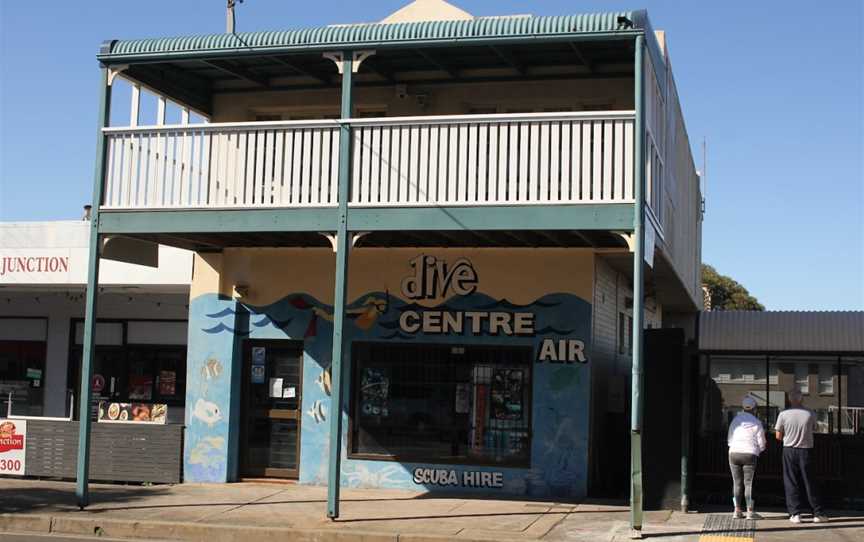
(820, 519)
(737, 514)
(753, 515)
(795, 519)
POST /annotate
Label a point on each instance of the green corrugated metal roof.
(375, 34)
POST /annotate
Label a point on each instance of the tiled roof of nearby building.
(782, 331)
(377, 35)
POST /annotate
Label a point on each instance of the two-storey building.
(415, 241)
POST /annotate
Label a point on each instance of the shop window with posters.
(123, 372)
(441, 403)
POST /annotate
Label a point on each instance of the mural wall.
(534, 298)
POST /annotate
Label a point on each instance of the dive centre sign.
(432, 278)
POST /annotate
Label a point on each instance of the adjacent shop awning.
(754, 331)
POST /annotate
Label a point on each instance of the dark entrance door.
(272, 386)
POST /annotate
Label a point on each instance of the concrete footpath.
(265, 511)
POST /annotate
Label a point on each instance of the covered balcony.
(519, 124)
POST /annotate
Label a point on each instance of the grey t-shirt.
(797, 425)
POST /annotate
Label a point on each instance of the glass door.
(272, 379)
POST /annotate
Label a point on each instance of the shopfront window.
(837, 402)
(22, 377)
(436, 403)
(732, 378)
(835, 393)
(802, 377)
(826, 379)
(146, 372)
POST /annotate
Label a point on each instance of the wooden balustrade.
(521, 159)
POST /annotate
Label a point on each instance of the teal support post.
(82, 474)
(636, 399)
(342, 247)
(685, 432)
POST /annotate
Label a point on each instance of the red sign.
(13, 442)
(12, 437)
(98, 383)
(9, 439)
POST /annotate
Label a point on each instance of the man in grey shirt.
(794, 428)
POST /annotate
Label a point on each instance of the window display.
(440, 403)
(133, 373)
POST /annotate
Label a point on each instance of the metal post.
(82, 475)
(638, 296)
(342, 248)
(685, 432)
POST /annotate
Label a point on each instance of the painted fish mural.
(211, 369)
(207, 412)
(364, 316)
(208, 451)
(317, 411)
(323, 381)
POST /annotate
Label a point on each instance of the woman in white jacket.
(746, 441)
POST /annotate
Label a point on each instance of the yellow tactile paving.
(724, 528)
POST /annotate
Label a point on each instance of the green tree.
(726, 294)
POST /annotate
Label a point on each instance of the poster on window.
(463, 398)
(481, 393)
(375, 392)
(259, 355)
(13, 435)
(167, 383)
(132, 412)
(140, 387)
(507, 394)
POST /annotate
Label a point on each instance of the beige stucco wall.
(519, 275)
(566, 95)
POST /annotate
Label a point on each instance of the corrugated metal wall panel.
(118, 452)
(782, 331)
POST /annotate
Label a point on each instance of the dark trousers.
(797, 479)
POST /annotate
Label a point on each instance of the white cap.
(748, 403)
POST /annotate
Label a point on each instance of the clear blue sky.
(775, 86)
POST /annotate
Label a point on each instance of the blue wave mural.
(560, 392)
(222, 328)
(222, 313)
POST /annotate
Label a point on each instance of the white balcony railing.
(522, 159)
(242, 165)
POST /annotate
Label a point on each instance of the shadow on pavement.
(47, 499)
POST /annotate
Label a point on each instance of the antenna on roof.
(704, 172)
(229, 16)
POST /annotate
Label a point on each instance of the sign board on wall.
(13, 435)
(650, 242)
(57, 253)
(42, 265)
